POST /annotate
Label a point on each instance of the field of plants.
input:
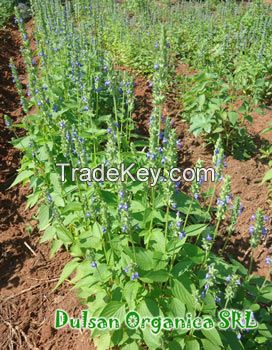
(159, 84)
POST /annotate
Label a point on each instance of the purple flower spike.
(251, 230)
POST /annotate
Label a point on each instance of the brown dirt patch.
(27, 301)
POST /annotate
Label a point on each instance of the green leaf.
(153, 341)
(48, 235)
(55, 181)
(149, 308)
(137, 207)
(130, 293)
(193, 252)
(181, 292)
(57, 243)
(103, 341)
(43, 216)
(131, 346)
(195, 230)
(207, 345)
(233, 117)
(24, 175)
(177, 308)
(71, 207)
(192, 345)
(64, 235)
(154, 276)
(213, 336)
(114, 309)
(144, 258)
(66, 272)
(267, 176)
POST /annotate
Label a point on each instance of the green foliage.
(6, 11)
(209, 107)
(132, 246)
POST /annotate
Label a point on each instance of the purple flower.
(266, 218)
(124, 228)
(164, 140)
(239, 336)
(49, 198)
(86, 108)
(268, 260)
(177, 185)
(196, 196)
(253, 217)
(220, 202)
(126, 269)
(156, 66)
(88, 214)
(264, 231)
(55, 108)
(179, 144)
(161, 133)
(125, 207)
(201, 181)
(107, 83)
(182, 235)
(228, 278)
(94, 264)
(163, 160)
(134, 276)
(217, 299)
(104, 230)
(251, 229)
(208, 237)
(160, 149)
(120, 206)
(241, 209)
(62, 124)
(174, 205)
(228, 199)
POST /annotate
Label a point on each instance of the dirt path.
(27, 274)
